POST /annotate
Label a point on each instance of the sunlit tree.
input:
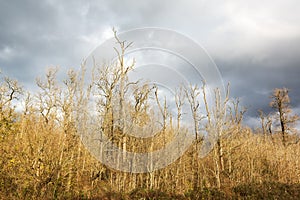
(281, 102)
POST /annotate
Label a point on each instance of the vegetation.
(281, 102)
(43, 157)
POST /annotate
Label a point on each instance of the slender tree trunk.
(282, 127)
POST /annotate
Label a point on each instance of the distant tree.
(281, 102)
(266, 122)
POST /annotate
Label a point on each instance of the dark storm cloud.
(253, 79)
(256, 44)
(38, 34)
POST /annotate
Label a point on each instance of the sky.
(255, 44)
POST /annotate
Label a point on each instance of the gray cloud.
(254, 76)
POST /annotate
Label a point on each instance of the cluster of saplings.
(43, 157)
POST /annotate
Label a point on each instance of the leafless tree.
(49, 96)
(281, 102)
(10, 90)
(179, 101)
(216, 126)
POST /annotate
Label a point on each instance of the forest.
(50, 147)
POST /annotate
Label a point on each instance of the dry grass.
(42, 162)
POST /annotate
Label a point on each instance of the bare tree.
(217, 124)
(236, 112)
(281, 102)
(49, 97)
(192, 93)
(269, 124)
(266, 123)
(163, 109)
(141, 105)
(10, 90)
(262, 117)
(179, 101)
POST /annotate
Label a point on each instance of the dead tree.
(49, 96)
(192, 94)
(10, 90)
(163, 111)
(281, 102)
(262, 120)
(216, 125)
(266, 123)
(179, 101)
